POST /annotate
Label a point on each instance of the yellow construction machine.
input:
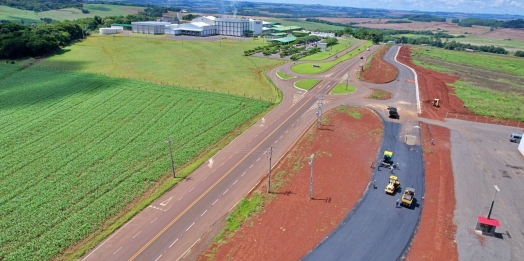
(407, 197)
(393, 184)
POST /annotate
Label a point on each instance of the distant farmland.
(77, 148)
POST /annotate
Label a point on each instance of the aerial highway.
(170, 226)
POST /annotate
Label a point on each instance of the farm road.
(482, 156)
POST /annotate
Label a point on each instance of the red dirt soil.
(379, 70)
(291, 224)
(435, 237)
(433, 84)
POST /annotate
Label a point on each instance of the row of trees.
(17, 41)
(40, 6)
(453, 45)
(468, 22)
(424, 18)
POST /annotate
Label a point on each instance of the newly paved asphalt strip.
(376, 229)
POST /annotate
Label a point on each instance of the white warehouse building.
(194, 28)
(149, 27)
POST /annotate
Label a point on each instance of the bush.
(519, 53)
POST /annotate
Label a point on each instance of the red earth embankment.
(291, 224)
(435, 237)
(379, 70)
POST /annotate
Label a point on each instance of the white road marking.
(204, 178)
(225, 192)
(235, 182)
(214, 202)
(153, 220)
(251, 166)
(167, 208)
(118, 250)
(180, 198)
(137, 233)
(243, 174)
(173, 243)
(258, 159)
(190, 226)
(108, 239)
(158, 258)
(191, 189)
(165, 201)
(286, 131)
(204, 213)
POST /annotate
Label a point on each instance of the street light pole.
(269, 172)
(493, 201)
(347, 82)
(171, 153)
(311, 176)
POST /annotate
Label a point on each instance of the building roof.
(486, 221)
(200, 24)
(288, 39)
(232, 20)
(285, 28)
(123, 25)
(151, 23)
(264, 22)
(278, 34)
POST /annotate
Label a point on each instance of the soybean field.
(77, 148)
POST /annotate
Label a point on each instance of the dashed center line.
(180, 198)
(258, 159)
(190, 226)
(173, 243)
(158, 258)
(118, 250)
(153, 220)
(243, 174)
(225, 192)
(204, 213)
(191, 189)
(137, 233)
(235, 182)
(214, 202)
(251, 166)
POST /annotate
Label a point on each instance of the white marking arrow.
(210, 165)
(165, 201)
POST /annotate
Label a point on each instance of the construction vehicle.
(436, 102)
(407, 197)
(386, 162)
(393, 113)
(393, 185)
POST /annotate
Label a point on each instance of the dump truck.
(393, 185)
(407, 197)
(386, 161)
(393, 113)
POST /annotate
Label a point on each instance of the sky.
(462, 6)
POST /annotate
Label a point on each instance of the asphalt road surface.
(376, 229)
(176, 221)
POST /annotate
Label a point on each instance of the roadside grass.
(284, 76)
(242, 212)
(306, 84)
(339, 47)
(310, 26)
(351, 111)
(200, 65)
(102, 10)
(510, 45)
(481, 96)
(341, 89)
(501, 63)
(308, 68)
(379, 94)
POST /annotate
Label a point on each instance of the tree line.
(42, 5)
(468, 22)
(450, 45)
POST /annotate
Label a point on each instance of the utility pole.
(320, 104)
(347, 81)
(171, 153)
(311, 176)
(270, 152)
(493, 201)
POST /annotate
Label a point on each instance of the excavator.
(393, 184)
(436, 102)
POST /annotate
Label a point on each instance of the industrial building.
(195, 29)
(149, 27)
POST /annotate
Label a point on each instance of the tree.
(376, 36)
(330, 41)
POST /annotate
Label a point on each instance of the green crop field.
(306, 84)
(308, 68)
(342, 44)
(190, 64)
(489, 85)
(77, 148)
(103, 10)
(310, 26)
